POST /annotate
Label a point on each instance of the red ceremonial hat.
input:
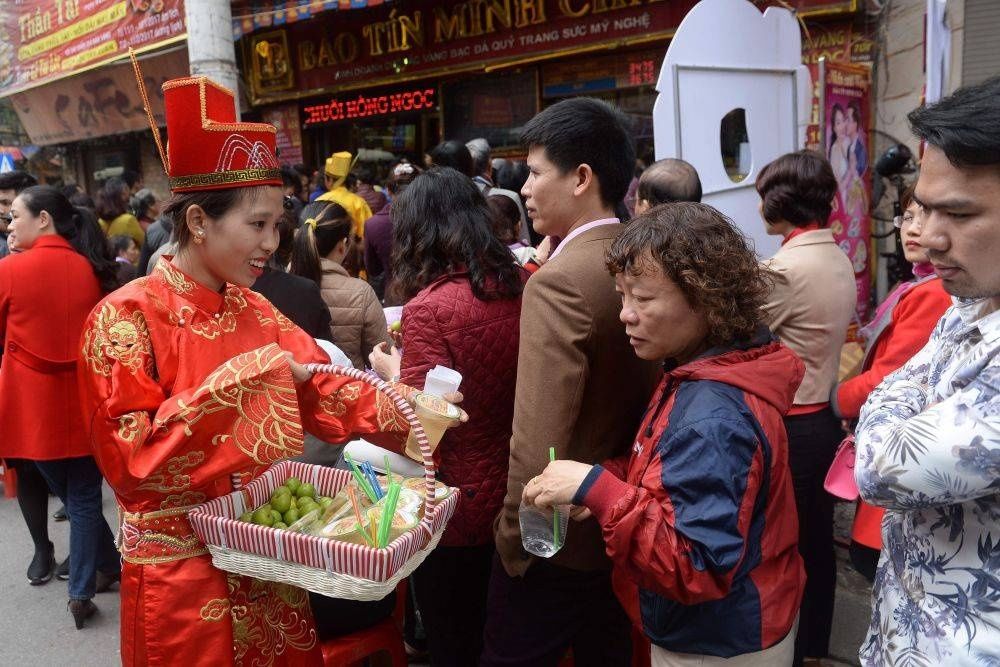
(207, 148)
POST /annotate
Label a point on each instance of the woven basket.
(328, 567)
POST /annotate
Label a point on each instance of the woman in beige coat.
(810, 307)
(319, 249)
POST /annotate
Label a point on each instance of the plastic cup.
(538, 529)
(442, 380)
(436, 415)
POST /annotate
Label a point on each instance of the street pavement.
(37, 629)
(35, 626)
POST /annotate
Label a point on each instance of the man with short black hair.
(666, 181)
(928, 440)
(11, 183)
(580, 390)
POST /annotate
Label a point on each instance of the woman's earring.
(199, 237)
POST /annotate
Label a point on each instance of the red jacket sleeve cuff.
(600, 492)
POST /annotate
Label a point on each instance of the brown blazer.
(810, 307)
(580, 388)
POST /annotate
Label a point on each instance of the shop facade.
(73, 91)
(393, 81)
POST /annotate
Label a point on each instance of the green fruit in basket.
(265, 506)
(281, 491)
(280, 525)
(246, 517)
(325, 501)
(281, 502)
(262, 517)
(306, 491)
(275, 516)
(293, 484)
(291, 516)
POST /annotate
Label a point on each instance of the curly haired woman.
(695, 520)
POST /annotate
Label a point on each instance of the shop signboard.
(424, 38)
(369, 105)
(846, 104)
(97, 103)
(288, 138)
(42, 41)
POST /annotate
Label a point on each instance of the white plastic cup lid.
(441, 380)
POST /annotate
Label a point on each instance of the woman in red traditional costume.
(193, 384)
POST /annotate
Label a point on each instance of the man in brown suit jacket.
(580, 389)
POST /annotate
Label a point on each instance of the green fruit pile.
(289, 502)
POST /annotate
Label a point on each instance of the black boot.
(81, 610)
(60, 514)
(62, 572)
(42, 566)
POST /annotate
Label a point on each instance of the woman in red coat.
(462, 289)
(901, 326)
(45, 296)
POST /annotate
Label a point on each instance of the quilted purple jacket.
(446, 324)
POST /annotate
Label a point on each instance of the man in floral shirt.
(929, 436)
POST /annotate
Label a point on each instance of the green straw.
(360, 479)
(388, 510)
(364, 534)
(388, 470)
(555, 513)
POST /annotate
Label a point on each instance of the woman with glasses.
(901, 326)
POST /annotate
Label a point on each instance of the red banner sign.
(45, 40)
(847, 105)
(97, 103)
(367, 106)
(424, 37)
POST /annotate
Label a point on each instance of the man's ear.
(584, 179)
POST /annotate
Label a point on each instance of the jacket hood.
(762, 367)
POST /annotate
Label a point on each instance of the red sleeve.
(682, 534)
(423, 345)
(144, 440)
(617, 466)
(334, 407)
(913, 319)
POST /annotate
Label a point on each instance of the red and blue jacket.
(700, 520)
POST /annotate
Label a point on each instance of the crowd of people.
(623, 351)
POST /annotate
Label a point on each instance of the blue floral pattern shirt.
(928, 450)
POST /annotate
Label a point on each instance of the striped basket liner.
(325, 566)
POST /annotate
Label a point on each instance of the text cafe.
(394, 80)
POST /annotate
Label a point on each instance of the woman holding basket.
(192, 385)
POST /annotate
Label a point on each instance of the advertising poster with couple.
(846, 91)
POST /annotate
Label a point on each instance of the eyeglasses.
(906, 219)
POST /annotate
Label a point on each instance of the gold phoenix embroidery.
(267, 617)
(174, 279)
(118, 335)
(335, 404)
(282, 322)
(267, 426)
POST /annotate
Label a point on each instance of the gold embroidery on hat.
(224, 178)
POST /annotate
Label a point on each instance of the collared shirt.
(580, 230)
(929, 451)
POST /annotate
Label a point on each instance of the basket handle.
(430, 499)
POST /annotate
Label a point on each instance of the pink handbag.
(840, 478)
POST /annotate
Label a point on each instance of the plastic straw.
(361, 530)
(555, 513)
(360, 479)
(388, 470)
(388, 511)
(372, 478)
(352, 495)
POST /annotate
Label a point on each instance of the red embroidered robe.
(183, 388)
